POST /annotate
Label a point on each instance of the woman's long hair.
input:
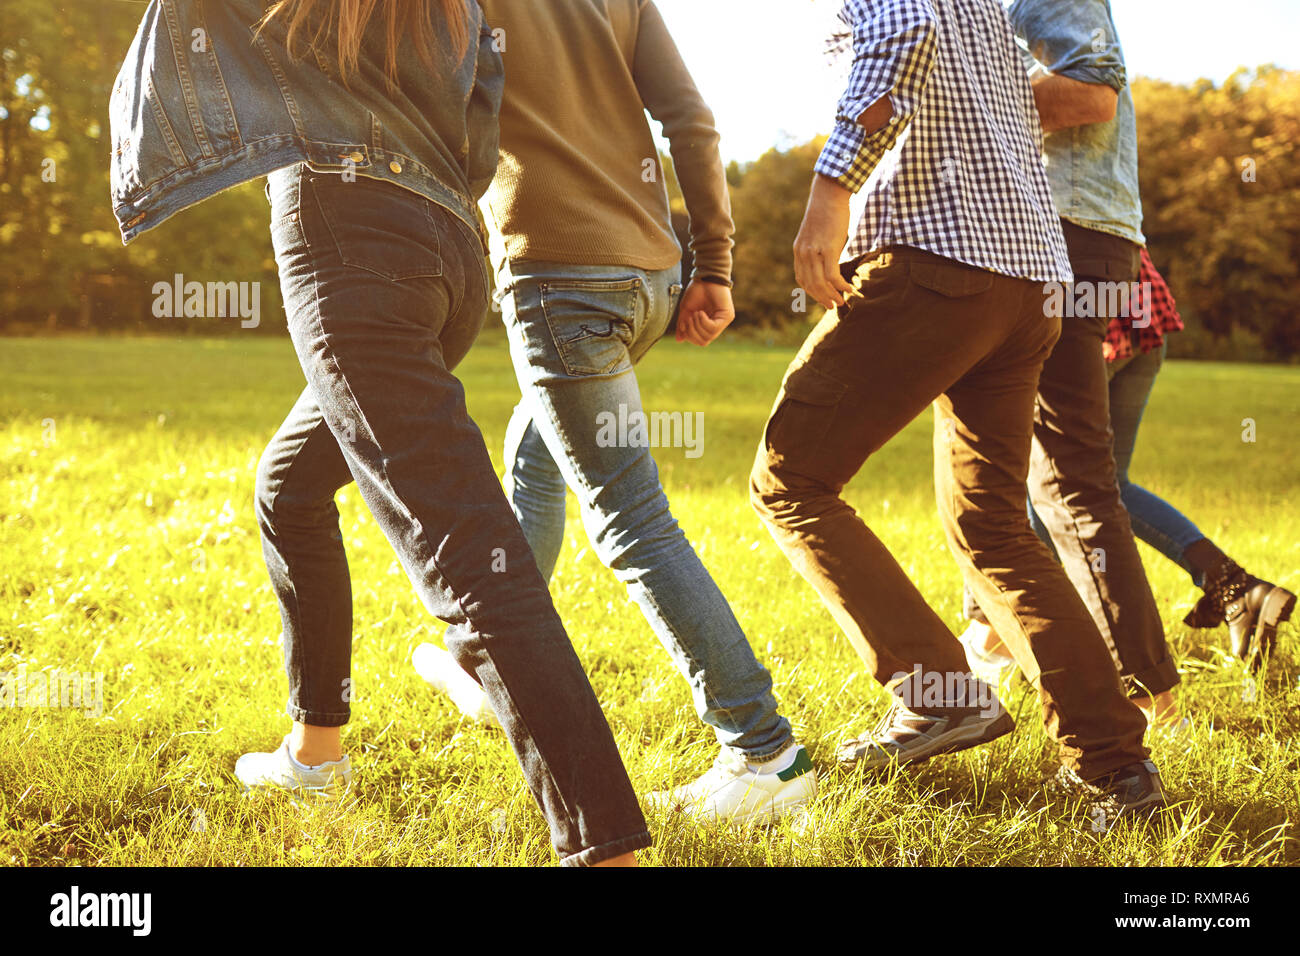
(345, 21)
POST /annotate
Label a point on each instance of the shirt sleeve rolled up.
(1072, 38)
(894, 51)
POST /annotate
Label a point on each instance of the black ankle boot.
(1251, 608)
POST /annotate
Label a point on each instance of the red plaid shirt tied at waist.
(1145, 323)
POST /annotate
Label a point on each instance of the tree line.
(1220, 173)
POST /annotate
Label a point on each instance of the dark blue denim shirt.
(204, 103)
(1093, 169)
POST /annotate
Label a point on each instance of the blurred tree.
(1220, 170)
(768, 204)
(60, 248)
(1220, 181)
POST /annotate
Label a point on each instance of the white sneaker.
(259, 771)
(443, 674)
(991, 667)
(733, 793)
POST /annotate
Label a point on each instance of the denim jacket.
(203, 103)
(1093, 169)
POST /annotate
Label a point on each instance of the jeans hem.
(1152, 680)
(607, 851)
(766, 753)
(317, 718)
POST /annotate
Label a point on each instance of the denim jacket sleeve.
(484, 107)
(205, 101)
(1075, 38)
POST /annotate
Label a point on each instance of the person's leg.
(372, 276)
(1154, 520)
(297, 478)
(1130, 385)
(1074, 490)
(575, 335)
(893, 351)
(983, 436)
(987, 637)
(1251, 607)
(921, 323)
(536, 489)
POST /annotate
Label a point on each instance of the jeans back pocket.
(379, 227)
(592, 322)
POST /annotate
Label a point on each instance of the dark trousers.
(1074, 490)
(1072, 476)
(928, 329)
(385, 292)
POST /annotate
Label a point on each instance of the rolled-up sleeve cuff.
(849, 156)
(1116, 77)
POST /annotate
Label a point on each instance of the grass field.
(128, 548)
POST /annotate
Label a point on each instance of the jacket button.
(395, 166)
(357, 157)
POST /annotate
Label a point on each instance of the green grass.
(129, 548)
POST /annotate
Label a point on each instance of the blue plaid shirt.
(958, 169)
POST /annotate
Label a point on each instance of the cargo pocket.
(953, 280)
(808, 404)
(591, 322)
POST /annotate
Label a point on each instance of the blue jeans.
(576, 333)
(1154, 520)
(385, 292)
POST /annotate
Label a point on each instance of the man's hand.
(706, 309)
(822, 237)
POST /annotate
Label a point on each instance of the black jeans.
(385, 292)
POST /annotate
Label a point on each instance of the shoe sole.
(769, 812)
(1144, 810)
(1000, 727)
(296, 793)
(773, 811)
(1276, 610)
(330, 791)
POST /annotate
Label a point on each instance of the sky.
(759, 63)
